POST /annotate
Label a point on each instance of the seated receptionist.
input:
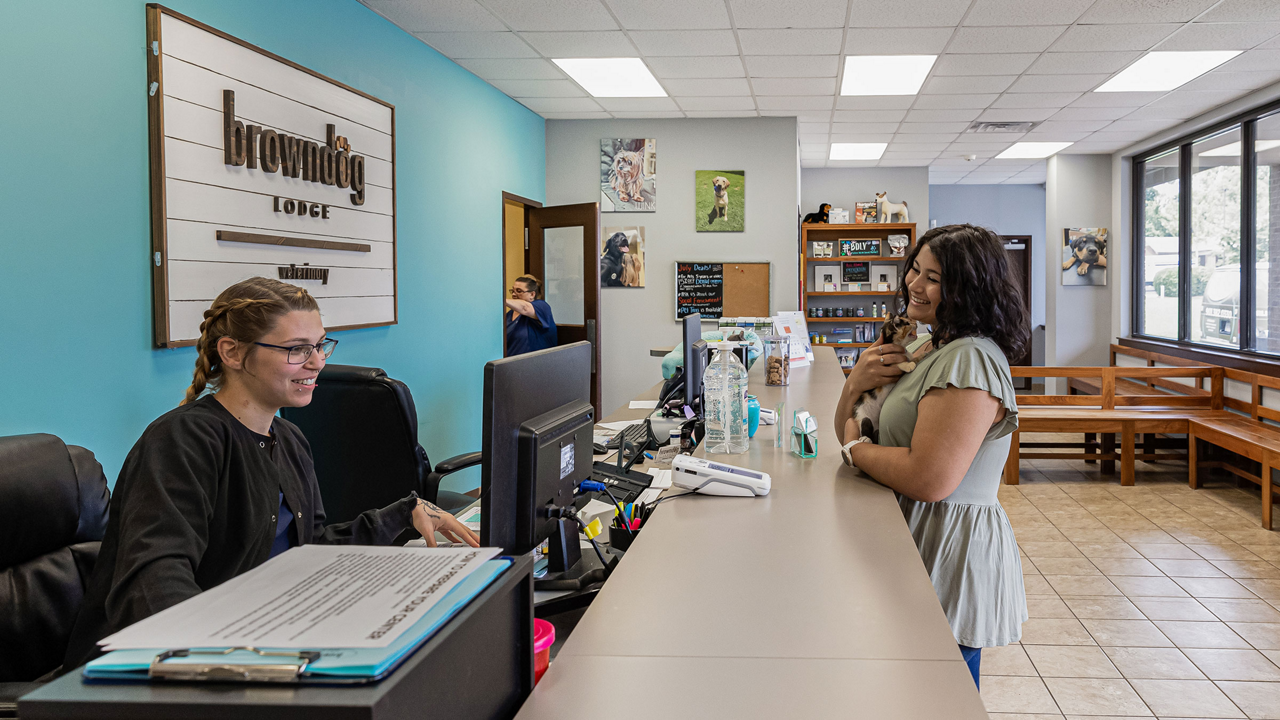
(218, 485)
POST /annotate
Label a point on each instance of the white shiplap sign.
(262, 167)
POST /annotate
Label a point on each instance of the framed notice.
(850, 247)
(262, 167)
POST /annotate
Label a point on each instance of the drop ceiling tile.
(560, 15)
(1021, 12)
(1127, 138)
(684, 42)
(1094, 148)
(1186, 98)
(455, 45)
(601, 115)
(854, 116)
(898, 145)
(954, 115)
(580, 44)
(887, 160)
(793, 65)
(814, 138)
(715, 66)
(794, 86)
(1160, 113)
(1220, 36)
(861, 137)
(896, 41)
(1070, 126)
(561, 105)
(720, 113)
(1147, 126)
(811, 128)
(807, 149)
(864, 128)
(442, 16)
(1017, 115)
(799, 115)
(795, 103)
(875, 102)
(1223, 81)
(919, 128)
(1073, 114)
(539, 88)
(894, 13)
(670, 14)
(717, 103)
(614, 105)
(1258, 60)
(852, 163)
(988, 64)
(947, 102)
(788, 13)
(1064, 63)
(987, 140)
(952, 162)
(1008, 166)
(1056, 83)
(512, 69)
(1004, 39)
(947, 138)
(1034, 100)
(942, 181)
(813, 163)
(790, 42)
(1243, 11)
(959, 84)
(719, 87)
(1117, 99)
(1103, 38)
(638, 115)
(1144, 11)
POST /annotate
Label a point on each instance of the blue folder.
(338, 665)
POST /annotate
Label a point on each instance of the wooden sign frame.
(159, 258)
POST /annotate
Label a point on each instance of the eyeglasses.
(518, 291)
(299, 354)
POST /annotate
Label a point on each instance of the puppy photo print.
(622, 260)
(720, 199)
(628, 175)
(1084, 256)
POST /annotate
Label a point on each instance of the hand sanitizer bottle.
(725, 402)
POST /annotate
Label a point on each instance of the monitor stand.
(568, 568)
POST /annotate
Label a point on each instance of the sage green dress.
(965, 540)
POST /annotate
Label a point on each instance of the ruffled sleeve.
(976, 363)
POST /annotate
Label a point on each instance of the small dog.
(887, 210)
(720, 185)
(899, 330)
(821, 216)
(627, 175)
(1088, 251)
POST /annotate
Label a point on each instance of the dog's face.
(627, 164)
(1087, 248)
(898, 329)
(881, 194)
(826, 208)
(720, 184)
(617, 241)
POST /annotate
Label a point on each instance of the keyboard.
(626, 485)
(637, 434)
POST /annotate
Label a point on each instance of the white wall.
(1078, 319)
(842, 187)
(634, 320)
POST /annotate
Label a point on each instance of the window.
(1215, 239)
(1267, 233)
(1159, 256)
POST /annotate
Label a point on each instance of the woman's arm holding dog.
(521, 307)
(949, 429)
(868, 373)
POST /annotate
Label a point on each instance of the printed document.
(312, 596)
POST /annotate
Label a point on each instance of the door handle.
(591, 338)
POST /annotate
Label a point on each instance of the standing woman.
(219, 485)
(530, 325)
(945, 430)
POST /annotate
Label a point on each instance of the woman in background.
(530, 325)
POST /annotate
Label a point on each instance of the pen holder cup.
(544, 636)
(804, 435)
(620, 539)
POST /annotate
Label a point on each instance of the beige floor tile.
(1270, 553)
(1036, 585)
(1078, 661)
(1047, 606)
(1127, 566)
(1094, 551)
(1186, 698)
(1148, 587)
(1263, 588)
(1037, 550)
(1126, 633)
(1096, 696)
(1187, 568)
(1172, 551)
(1248, 569)
(1223, 551)
(1055, 631)
(1274, 655)
(1242, 610)
(1040, 534)
(1253, 536)
(1213, 587)
(1103, 608)
(1145, 536)
(1017, 695)
(1263, 636)
(1090, 535)
(1066, 566)
(1221, 664)
(1189, 634)
(1082, 585)
(1007, 660)
(1027, 716)
(1260, 700)
(1198, 536)
(1183, 608)
(1153, 663)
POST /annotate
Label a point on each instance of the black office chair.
(53, 512)
(363, 431)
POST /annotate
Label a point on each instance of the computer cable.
(569, 514)
(593, 485)
(665, 498)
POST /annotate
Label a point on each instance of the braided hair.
(243, 312)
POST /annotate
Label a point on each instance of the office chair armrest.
(457, 462)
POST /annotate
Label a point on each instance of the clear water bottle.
(725, 398)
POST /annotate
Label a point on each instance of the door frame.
(1027, 286)
(527, 203)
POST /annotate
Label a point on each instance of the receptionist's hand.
(429, 519)
(876, 366)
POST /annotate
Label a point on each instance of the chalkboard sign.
(855, 272)
(699, 289)
(854, 248)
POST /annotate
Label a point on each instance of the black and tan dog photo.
(1084, 256)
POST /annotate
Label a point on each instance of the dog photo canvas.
(622, 257)
(628, 175)
(720, 199)
(1084, 256)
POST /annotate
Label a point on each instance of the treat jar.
(777, 359)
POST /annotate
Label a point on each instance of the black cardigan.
(195, 506)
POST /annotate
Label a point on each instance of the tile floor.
(1147, 601)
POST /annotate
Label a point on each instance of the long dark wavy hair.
(979, 297)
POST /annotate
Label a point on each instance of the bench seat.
(1243, 436)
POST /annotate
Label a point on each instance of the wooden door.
(1018, 248)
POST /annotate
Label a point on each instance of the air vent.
(1001, 127)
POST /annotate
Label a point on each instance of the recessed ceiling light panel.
(1036, 150)
(1164, 71)
(612, 77)
(885, 74)
(857, 151)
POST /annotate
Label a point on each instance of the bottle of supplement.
(725, 400)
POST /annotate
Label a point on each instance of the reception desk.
(811, 602)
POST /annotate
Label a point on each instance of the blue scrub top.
(526, 334)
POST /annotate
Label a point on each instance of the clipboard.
(334, 666)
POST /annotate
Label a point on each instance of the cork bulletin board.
(723, 289)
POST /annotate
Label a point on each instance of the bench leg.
(1193, 461)
(1011, 463)
(1108, 446)
(1268, 461)
(1126, 453)
(1090, 446)
(1149, 444)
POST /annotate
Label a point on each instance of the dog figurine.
(612, 266)
(820, 216)
(626, 176)
(886, 209)
(898, 330)
(720, 186)
(1088, 251)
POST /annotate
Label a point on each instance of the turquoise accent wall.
(76, 358)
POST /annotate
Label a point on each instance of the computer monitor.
(695, 361)
(537, 396)
(554, 456)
